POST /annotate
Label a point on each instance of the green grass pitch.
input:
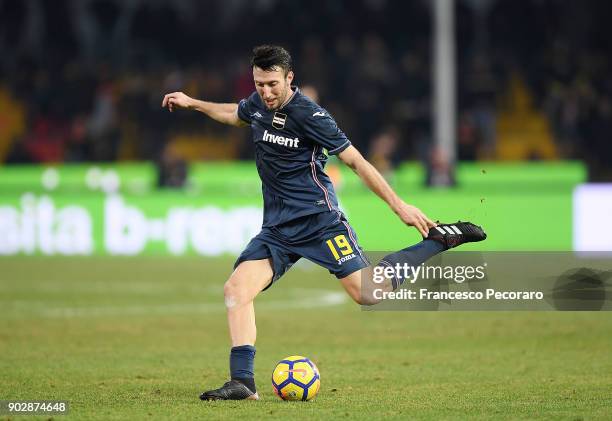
(140, 338)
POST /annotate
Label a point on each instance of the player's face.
(272, 86)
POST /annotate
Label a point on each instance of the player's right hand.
(414, 217)
(177, 99)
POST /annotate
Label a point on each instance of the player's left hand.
(413, 216)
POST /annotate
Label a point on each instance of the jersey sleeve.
(322, 129)
(245, 109)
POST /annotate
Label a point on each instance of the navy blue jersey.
(289, 153)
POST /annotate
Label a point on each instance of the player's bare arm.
(223, 113)
(409, 214)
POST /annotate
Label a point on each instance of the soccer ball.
(296, 378)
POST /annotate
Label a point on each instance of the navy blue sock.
(241, 365)
(412, 256)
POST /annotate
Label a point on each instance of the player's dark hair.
(267, 57)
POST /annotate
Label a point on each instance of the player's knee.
(371, 292)
(360, 300)
(360, 296)
(366, 300)
(356, 297)
(233, 294)
(357, 291)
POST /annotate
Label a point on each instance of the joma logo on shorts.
(345, 258)
(281, 140)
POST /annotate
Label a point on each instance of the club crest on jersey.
(279, 119)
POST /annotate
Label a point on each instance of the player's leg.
(360, 284)
(263, 261)
(247, 280)
(352, 284)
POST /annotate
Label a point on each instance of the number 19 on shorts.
(339, 244)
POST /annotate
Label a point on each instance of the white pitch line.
(106, 288)
(324, 298)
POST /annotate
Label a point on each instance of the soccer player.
(301, 215)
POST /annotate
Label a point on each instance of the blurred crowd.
(89, 75)
(564, 51)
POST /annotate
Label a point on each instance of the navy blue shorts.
(324, 238)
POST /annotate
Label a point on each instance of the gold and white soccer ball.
(296, 378)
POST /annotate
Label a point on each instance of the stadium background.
(93, 168)
(81, 83)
